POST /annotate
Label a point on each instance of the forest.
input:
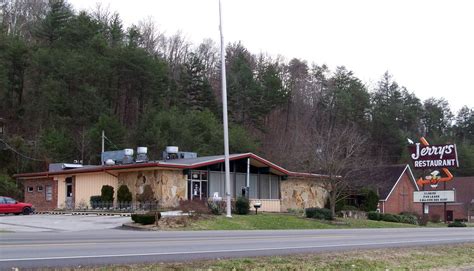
(65, 76)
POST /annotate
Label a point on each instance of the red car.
(11, 206)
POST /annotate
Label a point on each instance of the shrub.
(215, 207)
(146, 219)
(107, 195)
(390, 218)
(408, 219)
(423, 220)
(242, 206)
(457, 224)
(96, 201)
(194, 207)
(435, 218)
(124, 194)
(374, 215)
(318, 213)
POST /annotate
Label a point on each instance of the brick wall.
(459, 211)
(401, 198)
(38, 198)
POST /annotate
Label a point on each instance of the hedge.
(96, 201)
(407, 218)
(146, 219)
(318, 213)
(374, 216)
(457, 224)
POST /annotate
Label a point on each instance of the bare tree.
(337, 151)
(151, 39)
(19, 16)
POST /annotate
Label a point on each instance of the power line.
(20, 154)
(110, 141)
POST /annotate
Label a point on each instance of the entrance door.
(449, 215)
(69, 193)
(197, 185)
(196, 190)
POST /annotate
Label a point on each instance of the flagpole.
(224, 114)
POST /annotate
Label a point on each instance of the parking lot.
(66, 222)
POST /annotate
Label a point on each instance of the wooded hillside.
(65, 76)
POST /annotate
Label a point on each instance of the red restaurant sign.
(434, 156)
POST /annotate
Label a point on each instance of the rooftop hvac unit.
(178, 154)
(142, 155)
(172, 149)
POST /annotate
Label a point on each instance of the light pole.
(224, 116)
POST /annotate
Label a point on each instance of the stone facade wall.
(300, 193)
(38, 198)
(169, 186)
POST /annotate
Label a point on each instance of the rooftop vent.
(172, 152)
(142, 155)
(71, 166)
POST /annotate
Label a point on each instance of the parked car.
(11, 206)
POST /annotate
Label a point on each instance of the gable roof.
(464, 187)
(384, 178)
(175, 163)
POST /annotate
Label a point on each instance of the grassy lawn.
(446, 257)
(267, 221)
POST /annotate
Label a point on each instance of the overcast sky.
(428, 46)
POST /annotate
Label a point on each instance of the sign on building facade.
(434, 196)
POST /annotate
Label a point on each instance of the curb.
(130, 226)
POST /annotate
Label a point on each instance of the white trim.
(413, 178)
(399, 178)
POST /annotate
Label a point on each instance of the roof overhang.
(171, 165)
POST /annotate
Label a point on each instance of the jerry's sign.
(434, 156)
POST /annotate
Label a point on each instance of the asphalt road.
(59, 249)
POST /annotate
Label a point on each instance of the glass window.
(29, 189)
(216, 184)
(49, 192)
(264, 187)
(10, 201)
(39, 188)
(253, 189)
(2, 200)
(240, 181)
(274, 187)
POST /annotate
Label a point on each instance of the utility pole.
(103, 148)
(224, 113)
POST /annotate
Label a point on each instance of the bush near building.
(319, 213)
(107, 195)
(402, 218)
(457, 223)
(96, 201)
(242, 206)
(124, 196)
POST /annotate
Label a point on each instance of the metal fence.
(114, 206)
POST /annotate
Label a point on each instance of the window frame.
(30, 189)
